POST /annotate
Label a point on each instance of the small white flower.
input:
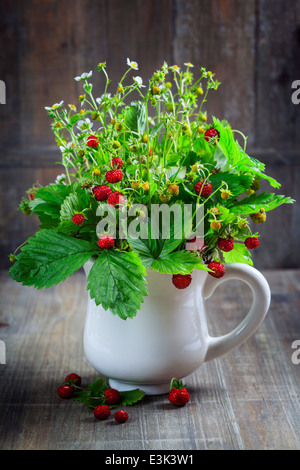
(60, 179)
(103, 97)
(84, 124)
(84, 76)
(139, 82)
(188, 64)
(54, 106)
(132, 64)
(67, 146)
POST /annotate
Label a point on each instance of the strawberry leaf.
(49, 258)
(116, 281)
(131, 397)
(239, 254)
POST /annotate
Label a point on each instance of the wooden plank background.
(253, 47)
(245, 400)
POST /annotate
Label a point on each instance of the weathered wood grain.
(277, 66)
(220, 35)
(248, 399)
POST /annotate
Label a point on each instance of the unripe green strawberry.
(215, 211)
(259, 217)
(225, 194)
(135, 185)
(156, 90)
(249, 192)
(164, 198)
(215, 225)
(116, 144)
(94, 116)
(255, 186)
(242, 224)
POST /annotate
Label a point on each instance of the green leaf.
(47, 203)
(131, 397)
(116, 281)
(176, 171)
(135, 117)
(252, 204)
(49, 258)
(74, 119)
(177, 262)
(78, 201)
(237, 184)
(239, 254)
(98, 387)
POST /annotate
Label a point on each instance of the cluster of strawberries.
(101, 412)
(178, 396)
(104, 193)
(217, 269)
(203, 189)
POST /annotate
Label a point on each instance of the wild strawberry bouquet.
(136, 150)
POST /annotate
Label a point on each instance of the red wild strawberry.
(204, 190)
(65, 391)
(101, 193)
(251, 243)
(121, 416)
(117, 162)
(78, 219)
(226, 244)
(212, 133)
(92, 141)
(218, 270)
(178, 394)
(73, 379)
(181, 281)
(31, 196)
(114, 176)
(106, 242)
(116, 199)
(112, 396)
(102, 412)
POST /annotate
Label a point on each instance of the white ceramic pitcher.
(169, 335)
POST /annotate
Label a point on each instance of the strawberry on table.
(178, 394)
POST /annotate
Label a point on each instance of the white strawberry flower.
(139, 82)
(54, 106)
(60, 179)
(132, 64)
(103, 98)
(67, 146)
(84, 76)
(188, 64)
(84, 124)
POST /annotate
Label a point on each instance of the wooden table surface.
(248, 399)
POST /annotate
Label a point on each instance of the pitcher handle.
(217, 346)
